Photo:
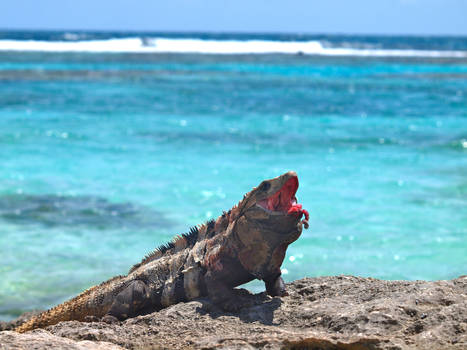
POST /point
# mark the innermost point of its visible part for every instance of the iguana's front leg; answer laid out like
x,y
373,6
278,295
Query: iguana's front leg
x,y
275,285
220,293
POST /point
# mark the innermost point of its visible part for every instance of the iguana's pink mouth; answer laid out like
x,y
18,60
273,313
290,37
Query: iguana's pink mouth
x,y
284,201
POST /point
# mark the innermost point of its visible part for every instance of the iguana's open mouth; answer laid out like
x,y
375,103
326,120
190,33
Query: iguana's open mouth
x,y
285,202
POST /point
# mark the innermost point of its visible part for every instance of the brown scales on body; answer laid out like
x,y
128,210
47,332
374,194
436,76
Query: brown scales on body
x,y
247,242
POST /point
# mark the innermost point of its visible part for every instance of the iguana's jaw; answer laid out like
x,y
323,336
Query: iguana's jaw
x,y
284,201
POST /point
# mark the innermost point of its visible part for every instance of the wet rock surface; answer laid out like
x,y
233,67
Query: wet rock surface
x,y
342,312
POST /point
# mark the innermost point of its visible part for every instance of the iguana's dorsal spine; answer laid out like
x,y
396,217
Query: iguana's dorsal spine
x,y
179,242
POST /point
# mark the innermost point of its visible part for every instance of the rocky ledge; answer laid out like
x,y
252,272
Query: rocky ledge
x,y
341,312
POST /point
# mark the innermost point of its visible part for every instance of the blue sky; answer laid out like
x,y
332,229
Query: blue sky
x,y
303,16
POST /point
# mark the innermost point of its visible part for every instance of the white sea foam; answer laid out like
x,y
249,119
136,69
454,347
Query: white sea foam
x,y
164,45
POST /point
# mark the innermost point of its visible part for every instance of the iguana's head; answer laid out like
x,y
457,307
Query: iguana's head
x,y
267,221
276,197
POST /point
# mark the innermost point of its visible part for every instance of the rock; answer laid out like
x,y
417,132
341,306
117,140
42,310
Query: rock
x,y
342,312
41,339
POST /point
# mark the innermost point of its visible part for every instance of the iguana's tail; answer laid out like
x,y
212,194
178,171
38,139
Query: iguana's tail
x,y
92,302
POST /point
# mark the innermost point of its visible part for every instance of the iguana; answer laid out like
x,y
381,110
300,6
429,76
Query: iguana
x,y
245,243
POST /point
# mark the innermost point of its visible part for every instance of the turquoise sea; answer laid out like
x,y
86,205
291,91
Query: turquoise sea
x,y
111,143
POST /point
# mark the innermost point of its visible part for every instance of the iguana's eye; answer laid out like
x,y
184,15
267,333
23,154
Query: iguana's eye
x,y
265,186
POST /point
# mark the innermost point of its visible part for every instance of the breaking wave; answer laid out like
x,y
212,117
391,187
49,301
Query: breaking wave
x,y
186,45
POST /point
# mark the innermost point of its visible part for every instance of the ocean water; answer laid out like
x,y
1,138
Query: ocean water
x,y
111,143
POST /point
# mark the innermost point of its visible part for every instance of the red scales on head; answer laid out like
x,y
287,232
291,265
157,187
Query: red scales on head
x,y
285,201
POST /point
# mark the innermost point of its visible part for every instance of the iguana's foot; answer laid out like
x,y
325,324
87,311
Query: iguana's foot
x,y
275,286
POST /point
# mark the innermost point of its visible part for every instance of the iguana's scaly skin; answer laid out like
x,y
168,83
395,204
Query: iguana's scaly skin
x,y
245,243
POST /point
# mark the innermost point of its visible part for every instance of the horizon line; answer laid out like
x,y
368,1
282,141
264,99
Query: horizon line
x,y
227,32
